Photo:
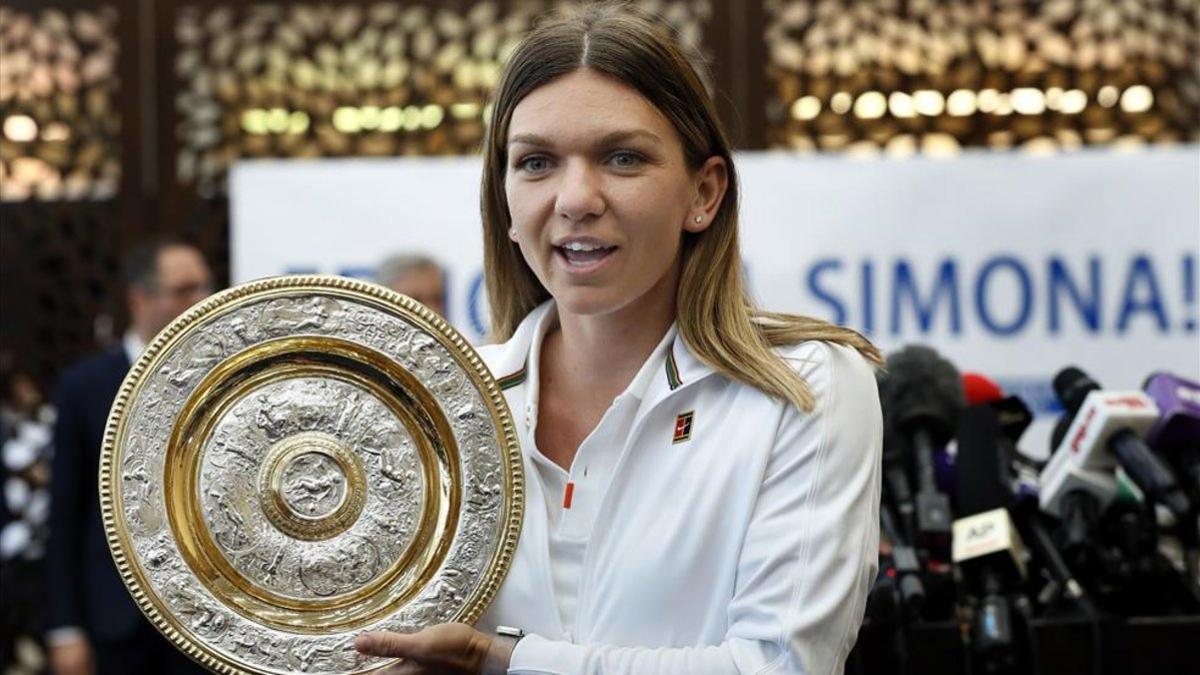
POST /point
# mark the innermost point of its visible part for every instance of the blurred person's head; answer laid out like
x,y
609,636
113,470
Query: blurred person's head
x,y
417,276
163,277
602,129
19,391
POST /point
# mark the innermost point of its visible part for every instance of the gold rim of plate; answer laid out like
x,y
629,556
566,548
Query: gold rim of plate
x,y
438,515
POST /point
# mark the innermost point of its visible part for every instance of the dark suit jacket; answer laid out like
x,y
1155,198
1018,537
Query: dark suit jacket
x,y
84,587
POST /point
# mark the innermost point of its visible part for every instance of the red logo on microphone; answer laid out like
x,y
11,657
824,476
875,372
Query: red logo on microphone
x,y
1135,402
1082,430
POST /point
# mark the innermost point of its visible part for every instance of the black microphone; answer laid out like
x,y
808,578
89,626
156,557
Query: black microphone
x,y
1139,579
1015,416
987,547
1071,386
905,563
995,464
922,394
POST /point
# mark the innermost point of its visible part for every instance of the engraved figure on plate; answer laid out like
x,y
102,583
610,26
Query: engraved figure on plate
x,y
294,315
313,484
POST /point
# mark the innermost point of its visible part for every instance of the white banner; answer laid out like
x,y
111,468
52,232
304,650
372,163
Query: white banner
x,y
1011,266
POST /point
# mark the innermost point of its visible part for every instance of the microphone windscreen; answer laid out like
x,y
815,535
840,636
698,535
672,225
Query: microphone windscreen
x,y
980,389
921,389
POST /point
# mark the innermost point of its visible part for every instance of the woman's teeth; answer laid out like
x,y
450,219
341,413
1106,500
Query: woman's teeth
x,y
582,254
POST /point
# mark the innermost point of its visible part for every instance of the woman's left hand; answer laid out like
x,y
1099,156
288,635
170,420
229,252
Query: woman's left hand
x,y
445,649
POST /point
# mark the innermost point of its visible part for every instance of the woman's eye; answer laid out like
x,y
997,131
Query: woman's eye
x,y
534,164
625,159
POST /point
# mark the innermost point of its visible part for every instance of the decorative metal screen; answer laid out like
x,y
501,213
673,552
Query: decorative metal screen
x,y
346,79
866,75
59,119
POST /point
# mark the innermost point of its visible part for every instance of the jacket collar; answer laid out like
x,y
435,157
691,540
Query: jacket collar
x,y
512,367
683,366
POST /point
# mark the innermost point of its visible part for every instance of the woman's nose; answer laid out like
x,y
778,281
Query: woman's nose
x,y
579,194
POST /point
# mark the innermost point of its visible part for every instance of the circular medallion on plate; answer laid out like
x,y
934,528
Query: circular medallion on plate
x,y
300,459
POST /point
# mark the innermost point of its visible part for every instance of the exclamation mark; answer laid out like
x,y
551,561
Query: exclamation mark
x,y
1189,293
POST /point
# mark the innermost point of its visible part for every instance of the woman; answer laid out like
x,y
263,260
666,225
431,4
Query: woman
x,y
703,476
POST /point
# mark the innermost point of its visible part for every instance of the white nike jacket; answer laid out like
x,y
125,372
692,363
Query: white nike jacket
x,y
742,538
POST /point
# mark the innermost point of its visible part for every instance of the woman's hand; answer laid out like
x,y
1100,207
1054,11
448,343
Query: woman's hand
x,y
445,649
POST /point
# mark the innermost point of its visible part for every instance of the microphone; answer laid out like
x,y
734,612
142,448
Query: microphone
x,y
986,546
1116,421
1069,487
1176,438
906,565
987,467
922,395
1071,386
1139,580
883,600
1015,416
1176,434
994,463
980,389
989,551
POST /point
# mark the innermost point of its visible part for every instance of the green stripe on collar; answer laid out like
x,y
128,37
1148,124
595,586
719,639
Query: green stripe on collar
x,y
510,381
673,378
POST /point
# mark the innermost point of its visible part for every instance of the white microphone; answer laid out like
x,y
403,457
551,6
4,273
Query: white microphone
x,y
1083,460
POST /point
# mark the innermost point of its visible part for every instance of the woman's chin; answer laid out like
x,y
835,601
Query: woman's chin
x,y
586,301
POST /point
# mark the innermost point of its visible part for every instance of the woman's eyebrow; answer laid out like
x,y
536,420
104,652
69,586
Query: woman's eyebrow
x,y
529,139
608,139
626,135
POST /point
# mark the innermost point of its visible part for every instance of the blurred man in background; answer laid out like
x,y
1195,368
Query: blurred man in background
x,y
94,625
417,276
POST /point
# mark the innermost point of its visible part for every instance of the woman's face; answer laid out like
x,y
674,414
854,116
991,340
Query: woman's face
x,y
600,195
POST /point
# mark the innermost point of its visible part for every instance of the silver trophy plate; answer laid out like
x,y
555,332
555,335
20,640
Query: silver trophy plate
x,y
301,459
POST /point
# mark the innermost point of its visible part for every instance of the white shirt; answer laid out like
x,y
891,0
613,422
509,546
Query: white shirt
x,y
571,498
740,539
133,345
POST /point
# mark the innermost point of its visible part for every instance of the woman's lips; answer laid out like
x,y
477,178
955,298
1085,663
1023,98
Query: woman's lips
x,y
583,262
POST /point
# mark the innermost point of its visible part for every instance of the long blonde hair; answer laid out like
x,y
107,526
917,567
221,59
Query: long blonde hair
x,y
714,313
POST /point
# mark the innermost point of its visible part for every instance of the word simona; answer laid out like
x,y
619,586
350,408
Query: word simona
x,y
1006,295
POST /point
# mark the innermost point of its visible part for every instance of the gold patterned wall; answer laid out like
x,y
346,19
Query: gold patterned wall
x,y
59,125
347,79
865,76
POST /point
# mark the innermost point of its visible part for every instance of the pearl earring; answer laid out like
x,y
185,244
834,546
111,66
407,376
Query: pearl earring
x,y
698,219
512,233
